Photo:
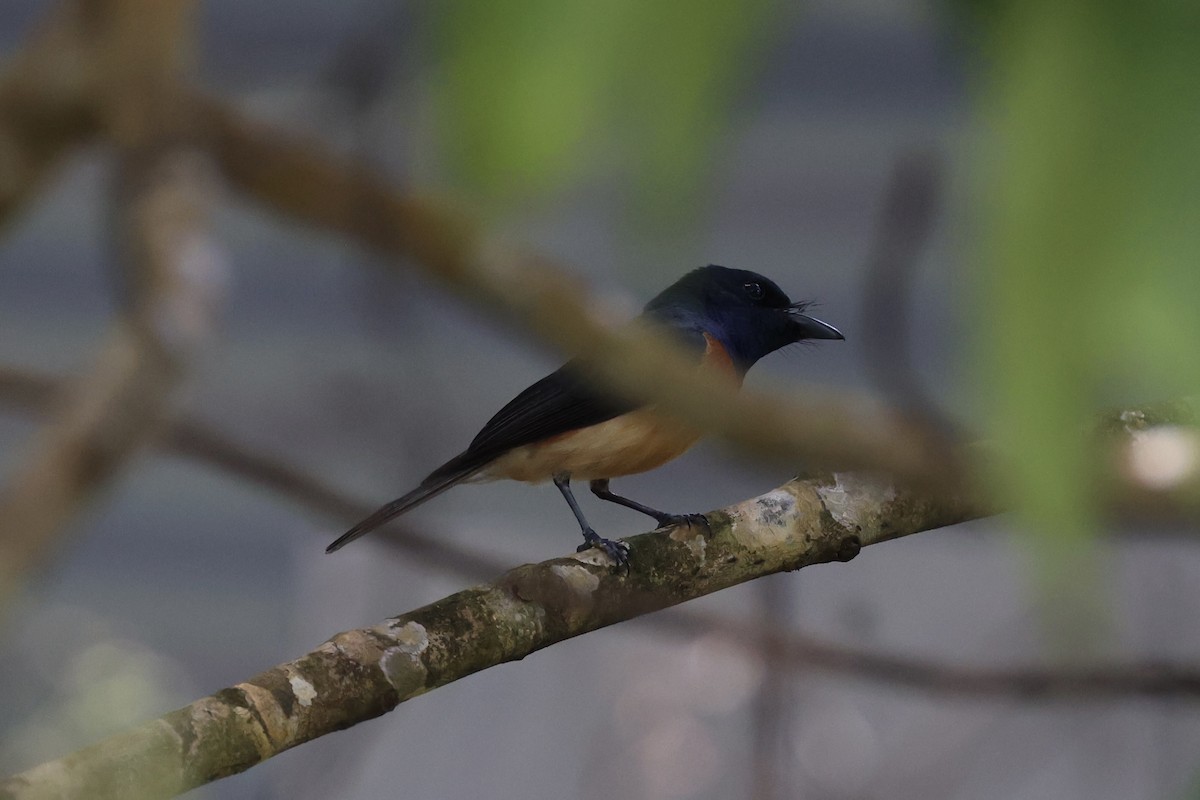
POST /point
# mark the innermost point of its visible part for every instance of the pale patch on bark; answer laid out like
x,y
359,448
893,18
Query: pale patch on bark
x,y
270,724
411,638
763,521
694,540
856,500
305,692
581,583
579,580
594,556
402,663
528,620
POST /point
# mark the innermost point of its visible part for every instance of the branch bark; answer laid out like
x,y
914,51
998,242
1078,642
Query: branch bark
x,y
361,674
172,271
309,183
43,106
793,649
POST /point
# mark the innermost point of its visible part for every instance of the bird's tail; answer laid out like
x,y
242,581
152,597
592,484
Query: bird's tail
x,y
446,477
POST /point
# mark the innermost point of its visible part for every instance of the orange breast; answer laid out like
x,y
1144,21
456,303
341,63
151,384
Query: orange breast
x,y
624,445
635,442
717,359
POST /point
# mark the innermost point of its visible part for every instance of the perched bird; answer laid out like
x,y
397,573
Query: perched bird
x,y
561,429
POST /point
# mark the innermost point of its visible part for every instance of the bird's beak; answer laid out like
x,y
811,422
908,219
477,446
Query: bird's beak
x,y
812,328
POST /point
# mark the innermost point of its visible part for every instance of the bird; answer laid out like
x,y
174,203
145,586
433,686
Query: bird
x,y
562,429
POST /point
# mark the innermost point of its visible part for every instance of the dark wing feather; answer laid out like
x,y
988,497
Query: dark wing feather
x,y
560,402
430,488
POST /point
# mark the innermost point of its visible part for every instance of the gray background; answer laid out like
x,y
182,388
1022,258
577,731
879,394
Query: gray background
x,y
182,581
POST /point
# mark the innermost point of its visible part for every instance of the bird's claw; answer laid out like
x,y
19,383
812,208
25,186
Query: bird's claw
x,y
674,520
617,550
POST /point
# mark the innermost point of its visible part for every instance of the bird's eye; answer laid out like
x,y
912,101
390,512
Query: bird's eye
x,y
754,291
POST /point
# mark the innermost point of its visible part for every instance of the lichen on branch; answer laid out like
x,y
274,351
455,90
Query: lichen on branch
x,y
363,673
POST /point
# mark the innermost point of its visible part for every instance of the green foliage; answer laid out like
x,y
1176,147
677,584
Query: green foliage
x,y
1092,231
1090,180
541,91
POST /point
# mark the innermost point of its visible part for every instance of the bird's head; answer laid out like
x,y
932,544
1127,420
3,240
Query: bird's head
x,y
748,313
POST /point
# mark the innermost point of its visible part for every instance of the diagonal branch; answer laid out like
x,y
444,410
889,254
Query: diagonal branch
x,y
313,185
190,438
361,674
173,276
43,105
365,673
204,444
797,650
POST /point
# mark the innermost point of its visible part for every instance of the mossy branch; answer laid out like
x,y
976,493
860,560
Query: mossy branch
x,y
361,674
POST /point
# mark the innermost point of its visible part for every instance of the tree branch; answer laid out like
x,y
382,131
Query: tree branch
x,y
43,108
174,277
206,445
311,184
188,438
1008,683
361,674
793,649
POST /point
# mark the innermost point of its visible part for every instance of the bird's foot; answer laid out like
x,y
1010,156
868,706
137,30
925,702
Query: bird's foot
x,y
674,520
617,550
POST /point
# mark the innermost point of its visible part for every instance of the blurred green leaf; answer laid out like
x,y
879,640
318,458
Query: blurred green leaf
x,y
535,93
1092,199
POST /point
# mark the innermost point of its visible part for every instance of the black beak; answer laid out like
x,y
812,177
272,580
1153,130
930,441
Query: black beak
x,y
812,328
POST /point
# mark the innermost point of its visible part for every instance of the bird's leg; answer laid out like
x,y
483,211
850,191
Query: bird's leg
x,y
664,520
617,551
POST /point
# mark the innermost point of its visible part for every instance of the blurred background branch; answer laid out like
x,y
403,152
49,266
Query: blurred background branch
x,y
904,224
42,108
1086,293
173,278
309,183
799,651
192,439
779,647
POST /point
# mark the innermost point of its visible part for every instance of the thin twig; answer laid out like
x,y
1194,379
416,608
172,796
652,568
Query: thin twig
x,y
769,711
1092,682
206,445
34,392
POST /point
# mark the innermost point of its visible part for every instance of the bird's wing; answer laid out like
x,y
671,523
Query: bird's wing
x,y
560,402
